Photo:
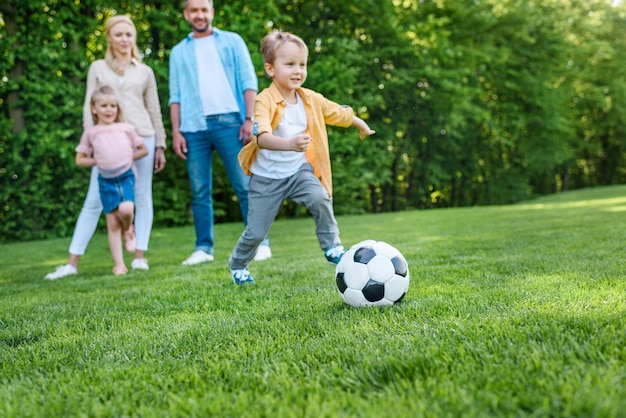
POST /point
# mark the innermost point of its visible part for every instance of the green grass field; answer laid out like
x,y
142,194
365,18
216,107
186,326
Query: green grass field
x,y
512,311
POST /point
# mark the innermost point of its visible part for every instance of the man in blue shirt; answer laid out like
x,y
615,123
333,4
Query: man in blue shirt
x,y
213,87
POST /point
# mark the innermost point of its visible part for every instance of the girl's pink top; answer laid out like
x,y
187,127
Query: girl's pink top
x,y
112,146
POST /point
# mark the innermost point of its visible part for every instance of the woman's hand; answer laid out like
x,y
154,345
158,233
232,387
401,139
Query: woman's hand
x,y
159,159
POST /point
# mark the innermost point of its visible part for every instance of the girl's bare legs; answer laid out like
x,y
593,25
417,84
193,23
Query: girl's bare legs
x,y
120,222
114,228
126,212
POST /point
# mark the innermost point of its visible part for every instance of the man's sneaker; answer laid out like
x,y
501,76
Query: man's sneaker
x,y
263,253
61,271
140,264
333,254
198,257
242,276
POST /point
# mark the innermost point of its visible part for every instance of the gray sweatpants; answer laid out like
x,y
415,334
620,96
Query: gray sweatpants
x,y
265,200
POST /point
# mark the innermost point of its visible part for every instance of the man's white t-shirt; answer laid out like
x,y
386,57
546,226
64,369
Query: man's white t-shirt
x,y
215,91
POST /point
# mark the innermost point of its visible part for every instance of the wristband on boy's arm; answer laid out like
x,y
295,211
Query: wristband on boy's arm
x,y
255,132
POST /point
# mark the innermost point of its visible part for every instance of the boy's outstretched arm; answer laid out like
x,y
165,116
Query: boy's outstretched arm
x,y
299,143
363,127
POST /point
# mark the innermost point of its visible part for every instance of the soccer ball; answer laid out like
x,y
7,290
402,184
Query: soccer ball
x,y
372,273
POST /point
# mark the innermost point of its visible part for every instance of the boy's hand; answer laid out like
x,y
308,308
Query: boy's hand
x,y
366,132
364,129
301,143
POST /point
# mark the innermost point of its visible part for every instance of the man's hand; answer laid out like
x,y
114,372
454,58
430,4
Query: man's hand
x,y
245,131
180,145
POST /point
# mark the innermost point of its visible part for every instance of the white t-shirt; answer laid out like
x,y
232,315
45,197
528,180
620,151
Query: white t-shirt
x,y
282,164
217,96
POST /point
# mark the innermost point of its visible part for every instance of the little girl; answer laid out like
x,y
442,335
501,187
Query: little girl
x,y
113,145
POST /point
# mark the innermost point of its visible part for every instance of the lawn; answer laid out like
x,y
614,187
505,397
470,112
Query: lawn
x,y
515,310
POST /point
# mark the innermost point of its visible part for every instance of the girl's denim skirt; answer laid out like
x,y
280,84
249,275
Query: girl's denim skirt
x,y
116,190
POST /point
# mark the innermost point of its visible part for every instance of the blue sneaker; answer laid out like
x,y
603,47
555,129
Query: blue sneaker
x,y
333,254
242,276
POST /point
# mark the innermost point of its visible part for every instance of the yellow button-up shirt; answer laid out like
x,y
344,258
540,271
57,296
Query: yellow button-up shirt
x,y
269,108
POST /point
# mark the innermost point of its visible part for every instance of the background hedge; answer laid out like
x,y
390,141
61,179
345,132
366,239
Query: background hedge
x,y
474,102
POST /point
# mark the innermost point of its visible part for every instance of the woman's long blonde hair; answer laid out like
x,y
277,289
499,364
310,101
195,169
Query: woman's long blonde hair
x,y
109,55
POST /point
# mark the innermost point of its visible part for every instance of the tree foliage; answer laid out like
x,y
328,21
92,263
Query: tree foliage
x,y
474,102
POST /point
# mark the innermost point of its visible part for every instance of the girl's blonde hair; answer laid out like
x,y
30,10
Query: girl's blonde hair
x,y
105,91
274,40
109,55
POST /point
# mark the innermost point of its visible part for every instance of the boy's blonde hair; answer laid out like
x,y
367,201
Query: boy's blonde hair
x,y
105,91
274,40
109,55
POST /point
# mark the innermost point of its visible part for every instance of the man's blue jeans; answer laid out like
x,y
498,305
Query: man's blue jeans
x,y
221,135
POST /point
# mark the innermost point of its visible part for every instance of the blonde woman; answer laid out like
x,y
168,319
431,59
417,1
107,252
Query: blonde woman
x,y
135,86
